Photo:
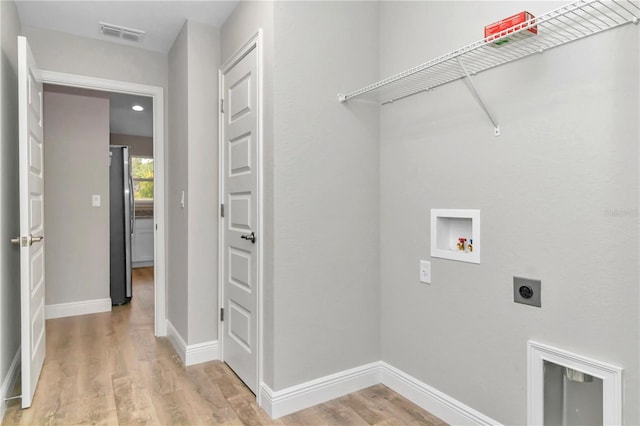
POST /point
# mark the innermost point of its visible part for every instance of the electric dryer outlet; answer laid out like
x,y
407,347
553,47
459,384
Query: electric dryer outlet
x,y
527,291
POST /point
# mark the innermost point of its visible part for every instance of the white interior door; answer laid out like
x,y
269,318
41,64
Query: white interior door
x,y
31,221
240,151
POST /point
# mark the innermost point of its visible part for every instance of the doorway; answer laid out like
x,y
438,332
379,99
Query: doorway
x,y
158,223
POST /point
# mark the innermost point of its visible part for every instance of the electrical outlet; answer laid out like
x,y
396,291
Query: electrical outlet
x,y
527,291
425,272
95,200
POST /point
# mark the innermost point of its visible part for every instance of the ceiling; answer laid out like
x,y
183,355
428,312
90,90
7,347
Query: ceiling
x,y
160,20
126,121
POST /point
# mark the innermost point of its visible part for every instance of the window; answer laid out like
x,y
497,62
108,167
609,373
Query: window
x,y
142,173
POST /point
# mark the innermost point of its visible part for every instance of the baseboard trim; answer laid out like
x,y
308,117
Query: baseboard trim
x,y
9,382
202,352
82,307
178,343
192,354
305,395
296,398
437,403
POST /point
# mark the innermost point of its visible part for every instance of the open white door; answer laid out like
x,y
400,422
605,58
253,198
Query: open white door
x,y
31,221
241,224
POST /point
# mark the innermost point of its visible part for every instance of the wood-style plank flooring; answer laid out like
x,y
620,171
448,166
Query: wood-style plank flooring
x,y
109,369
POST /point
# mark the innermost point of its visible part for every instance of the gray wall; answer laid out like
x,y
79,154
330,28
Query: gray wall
x,y
140,145
321,185
558,194
325,191
76,155
193,159
56,51
177,181
9,219
204,61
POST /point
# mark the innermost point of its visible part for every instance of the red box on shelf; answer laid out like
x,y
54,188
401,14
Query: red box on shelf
x,y
512,23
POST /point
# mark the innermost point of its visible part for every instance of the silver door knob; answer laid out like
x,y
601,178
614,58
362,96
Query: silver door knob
x,y
249,237
27,241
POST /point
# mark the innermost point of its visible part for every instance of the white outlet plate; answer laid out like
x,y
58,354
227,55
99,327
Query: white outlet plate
x,y
425,272
95,200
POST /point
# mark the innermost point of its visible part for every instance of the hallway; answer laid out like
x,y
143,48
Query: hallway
x,y
109,369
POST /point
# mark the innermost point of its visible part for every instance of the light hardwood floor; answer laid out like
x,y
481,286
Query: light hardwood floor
x,y
109,369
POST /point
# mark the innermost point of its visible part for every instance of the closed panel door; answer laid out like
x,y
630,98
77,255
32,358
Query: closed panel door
x,y
31,221
241,218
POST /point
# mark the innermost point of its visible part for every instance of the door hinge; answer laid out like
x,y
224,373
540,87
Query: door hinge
x,y
221,314
222,106
221,210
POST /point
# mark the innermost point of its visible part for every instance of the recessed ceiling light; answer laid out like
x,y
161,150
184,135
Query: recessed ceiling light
x,y
137,108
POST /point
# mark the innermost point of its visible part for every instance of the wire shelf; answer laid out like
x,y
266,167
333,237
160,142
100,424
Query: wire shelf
x,y
561,26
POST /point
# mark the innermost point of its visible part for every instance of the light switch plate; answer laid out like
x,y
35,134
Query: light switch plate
x,y
425,272
95,200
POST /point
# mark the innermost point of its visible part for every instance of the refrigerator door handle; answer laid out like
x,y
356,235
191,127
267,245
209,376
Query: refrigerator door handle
x,y
132,209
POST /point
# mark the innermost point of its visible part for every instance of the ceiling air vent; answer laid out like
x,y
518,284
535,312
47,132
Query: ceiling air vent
x,y
121,32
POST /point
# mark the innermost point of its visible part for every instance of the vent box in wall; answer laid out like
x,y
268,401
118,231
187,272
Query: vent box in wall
x,y
455,234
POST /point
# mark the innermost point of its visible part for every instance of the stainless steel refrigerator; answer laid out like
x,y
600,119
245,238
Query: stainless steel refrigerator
x,y
121,222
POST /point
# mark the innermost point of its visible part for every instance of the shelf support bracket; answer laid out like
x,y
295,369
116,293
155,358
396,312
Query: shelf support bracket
x,y
475,92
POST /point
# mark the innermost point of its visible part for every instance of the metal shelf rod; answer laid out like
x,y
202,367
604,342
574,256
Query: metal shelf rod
x,y
496,126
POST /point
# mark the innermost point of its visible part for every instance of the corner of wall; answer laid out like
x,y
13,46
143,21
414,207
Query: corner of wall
x,y
192,354
176,168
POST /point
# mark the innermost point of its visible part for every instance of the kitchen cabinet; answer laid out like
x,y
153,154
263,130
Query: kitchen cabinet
x,y
142,243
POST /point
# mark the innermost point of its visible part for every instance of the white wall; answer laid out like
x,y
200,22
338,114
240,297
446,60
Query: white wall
x,y
193,159
9,219
76,155
548,190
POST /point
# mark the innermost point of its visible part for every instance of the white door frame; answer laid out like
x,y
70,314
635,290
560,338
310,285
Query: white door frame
x,y
157,93
255,42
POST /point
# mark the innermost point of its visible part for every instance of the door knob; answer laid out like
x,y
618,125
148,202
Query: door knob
x,y
249,237
26,241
